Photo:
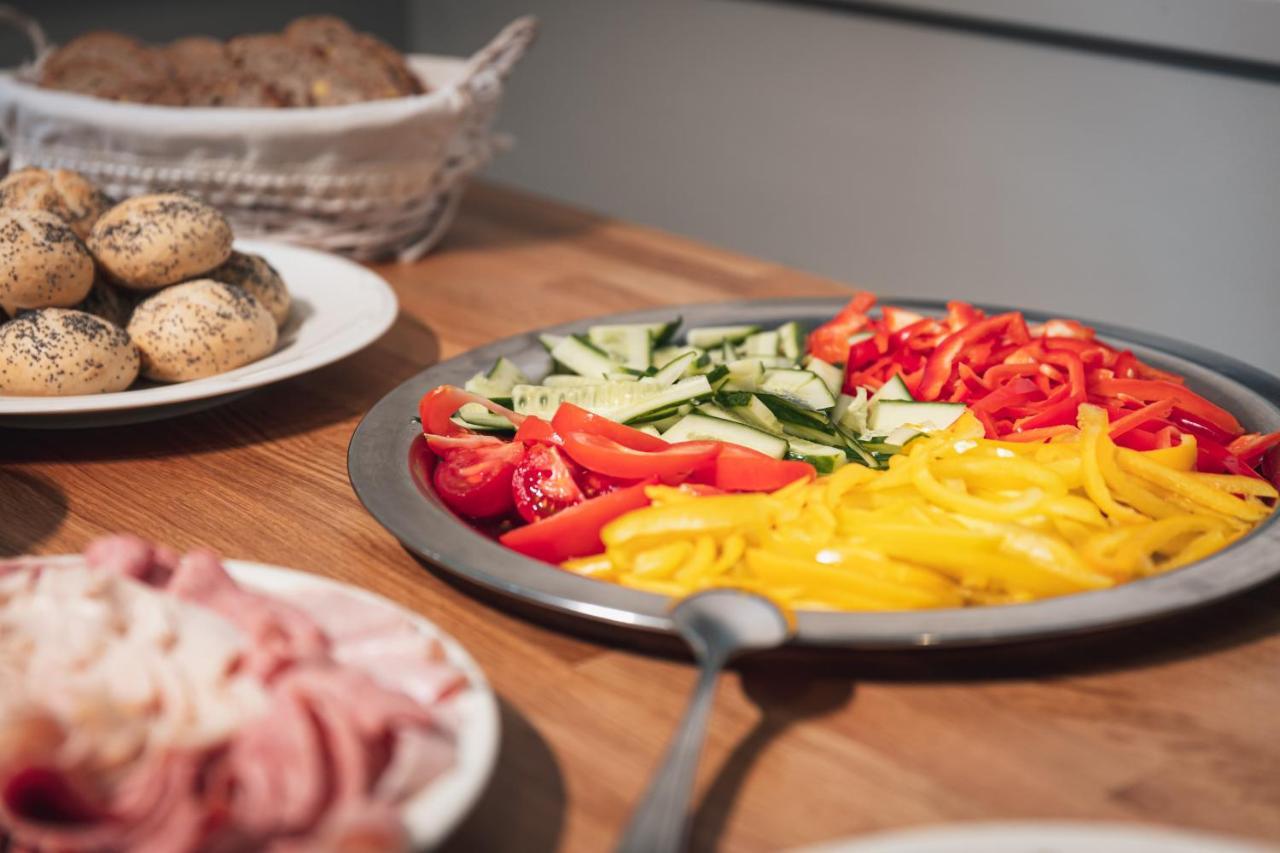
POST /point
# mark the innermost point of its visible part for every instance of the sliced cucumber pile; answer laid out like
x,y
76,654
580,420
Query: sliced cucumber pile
x,y
740,384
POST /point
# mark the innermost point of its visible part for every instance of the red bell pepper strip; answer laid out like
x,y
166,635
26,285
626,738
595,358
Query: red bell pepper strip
x,y
1250,448
741,469
570,418
896,319
1041,434
575,531
672,463
938,368
830,341
1150,390
1133,420
1211,456
864,352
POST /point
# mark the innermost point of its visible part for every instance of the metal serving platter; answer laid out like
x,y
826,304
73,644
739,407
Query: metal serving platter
x,y
378,462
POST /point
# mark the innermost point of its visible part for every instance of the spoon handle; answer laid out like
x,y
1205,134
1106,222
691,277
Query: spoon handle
x,y
658,824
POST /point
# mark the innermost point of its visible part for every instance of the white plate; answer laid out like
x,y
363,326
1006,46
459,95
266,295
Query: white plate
x,y
339,307
1036,837
435,811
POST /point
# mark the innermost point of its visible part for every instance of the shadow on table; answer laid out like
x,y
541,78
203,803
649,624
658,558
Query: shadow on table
x,y
524,805
38,502
785,695
329,395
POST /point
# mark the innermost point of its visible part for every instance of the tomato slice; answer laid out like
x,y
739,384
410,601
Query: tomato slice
x,y
543,483
575,532
438,406
571,418
605,456
741,469
476,481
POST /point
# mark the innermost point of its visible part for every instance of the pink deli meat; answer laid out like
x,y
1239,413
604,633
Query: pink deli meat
x,y
151,703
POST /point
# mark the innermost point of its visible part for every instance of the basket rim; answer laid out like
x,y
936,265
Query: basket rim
x,y
88,109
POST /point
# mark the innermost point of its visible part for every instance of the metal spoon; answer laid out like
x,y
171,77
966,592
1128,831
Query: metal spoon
x,y
719,625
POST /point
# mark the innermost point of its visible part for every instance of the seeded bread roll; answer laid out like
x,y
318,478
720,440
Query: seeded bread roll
x,y
109,302
56,352
200,328
65,194
43,264
204,72
111,65
152,241
254,274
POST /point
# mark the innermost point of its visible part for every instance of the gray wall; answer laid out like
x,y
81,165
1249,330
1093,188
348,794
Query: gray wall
x,y
911,159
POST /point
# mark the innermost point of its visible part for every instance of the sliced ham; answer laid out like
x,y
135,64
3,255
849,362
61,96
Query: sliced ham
x,y
152,704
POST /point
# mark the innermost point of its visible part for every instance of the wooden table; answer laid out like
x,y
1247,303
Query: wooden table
x,y
1173,724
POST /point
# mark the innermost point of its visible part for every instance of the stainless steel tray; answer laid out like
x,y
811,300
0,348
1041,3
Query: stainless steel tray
x,y
378,464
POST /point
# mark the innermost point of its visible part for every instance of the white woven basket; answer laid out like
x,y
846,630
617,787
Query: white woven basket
x,y
370,180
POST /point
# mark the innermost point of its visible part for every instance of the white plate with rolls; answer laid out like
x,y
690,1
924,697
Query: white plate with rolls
x,y
337,307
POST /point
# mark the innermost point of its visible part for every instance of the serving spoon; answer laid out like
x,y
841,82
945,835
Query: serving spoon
x,y
718,625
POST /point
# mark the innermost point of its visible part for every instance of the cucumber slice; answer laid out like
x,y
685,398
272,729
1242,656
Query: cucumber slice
x,y
894,389
600,397
851,412
696,427
498,380
831,376
665,355
583,358
650,429
762,343
717,377
676,368
801,386
889,415
664,332
713,336
549,341
791,340
685,391
816,434
789,411
476,416
711,410
758,414
824,458
900,436
746,374
629,345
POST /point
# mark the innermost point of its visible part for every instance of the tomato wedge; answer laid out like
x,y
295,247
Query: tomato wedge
x,y
543,483
604,455
476,481
571,418
574,532
741,469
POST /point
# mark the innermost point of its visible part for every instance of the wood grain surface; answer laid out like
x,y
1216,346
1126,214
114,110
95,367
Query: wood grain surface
x,y
1174,723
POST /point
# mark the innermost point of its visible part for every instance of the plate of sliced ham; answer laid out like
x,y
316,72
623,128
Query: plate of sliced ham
x,y
156,700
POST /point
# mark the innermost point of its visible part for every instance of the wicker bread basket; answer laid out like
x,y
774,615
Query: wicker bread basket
x,y
370,180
